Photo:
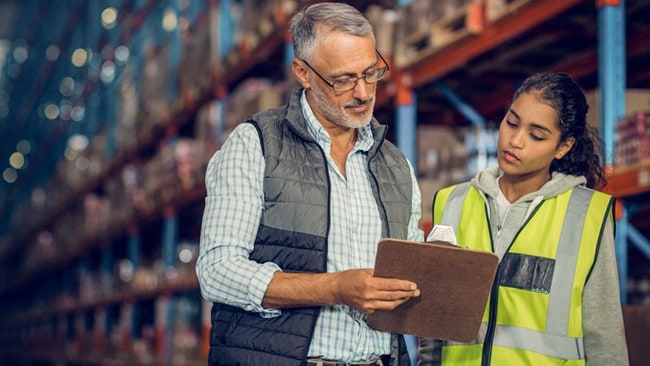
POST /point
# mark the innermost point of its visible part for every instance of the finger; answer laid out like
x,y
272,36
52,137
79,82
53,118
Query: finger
x,y
385,305
392,284
397,295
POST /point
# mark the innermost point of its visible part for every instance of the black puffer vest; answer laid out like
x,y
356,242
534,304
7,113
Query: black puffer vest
x,y
293,234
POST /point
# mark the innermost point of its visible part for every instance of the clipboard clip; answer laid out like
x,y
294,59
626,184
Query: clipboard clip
x,y
442,233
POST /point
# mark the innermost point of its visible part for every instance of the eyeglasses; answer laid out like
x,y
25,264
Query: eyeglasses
x,y
343,85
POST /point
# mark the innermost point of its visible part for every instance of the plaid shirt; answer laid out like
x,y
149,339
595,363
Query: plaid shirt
x,y
233,209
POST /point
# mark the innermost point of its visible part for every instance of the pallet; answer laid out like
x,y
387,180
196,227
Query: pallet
x,y
497,9
467,20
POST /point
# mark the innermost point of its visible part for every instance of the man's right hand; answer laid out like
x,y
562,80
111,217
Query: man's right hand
x,y
357,288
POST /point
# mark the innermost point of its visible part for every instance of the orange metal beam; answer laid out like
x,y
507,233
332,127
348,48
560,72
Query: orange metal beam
x,y
603,3
492,36
624,182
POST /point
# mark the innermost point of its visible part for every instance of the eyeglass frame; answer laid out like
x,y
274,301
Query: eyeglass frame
x,y
356,79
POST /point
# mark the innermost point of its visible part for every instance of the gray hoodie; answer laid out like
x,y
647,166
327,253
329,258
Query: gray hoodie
x,y
604,335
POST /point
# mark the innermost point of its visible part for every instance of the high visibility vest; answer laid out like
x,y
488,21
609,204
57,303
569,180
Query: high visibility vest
x,y
534,313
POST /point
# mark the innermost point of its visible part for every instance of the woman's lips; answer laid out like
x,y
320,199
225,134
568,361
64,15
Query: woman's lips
x,y
510,157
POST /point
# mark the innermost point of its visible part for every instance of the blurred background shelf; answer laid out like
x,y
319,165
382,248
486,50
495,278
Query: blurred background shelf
x,y
110,113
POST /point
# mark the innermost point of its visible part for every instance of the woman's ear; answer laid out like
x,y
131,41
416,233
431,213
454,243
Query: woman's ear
x,y
300,72
565,147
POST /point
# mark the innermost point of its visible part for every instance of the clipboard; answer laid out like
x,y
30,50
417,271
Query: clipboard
x,y
454,285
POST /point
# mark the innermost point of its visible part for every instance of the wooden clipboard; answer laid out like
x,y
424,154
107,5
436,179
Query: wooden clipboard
x,y
454,288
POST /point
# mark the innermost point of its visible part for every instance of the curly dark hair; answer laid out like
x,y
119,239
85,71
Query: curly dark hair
x,y
562,93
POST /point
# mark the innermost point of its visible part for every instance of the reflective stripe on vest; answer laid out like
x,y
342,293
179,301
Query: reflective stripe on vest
x,y
540,287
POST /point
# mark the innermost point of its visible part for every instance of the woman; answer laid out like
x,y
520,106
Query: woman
x,y
555,296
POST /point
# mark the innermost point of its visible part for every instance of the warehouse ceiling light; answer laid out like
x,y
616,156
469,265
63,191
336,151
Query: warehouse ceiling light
x,y
107,74
169,20
17,160
109,18
52,53
66,87
78,142
51,111
24,146
10,175
122,54
38,197
20,54
79,57
78,113
66,110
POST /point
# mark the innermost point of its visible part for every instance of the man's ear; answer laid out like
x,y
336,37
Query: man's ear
x,y
565,147
300,72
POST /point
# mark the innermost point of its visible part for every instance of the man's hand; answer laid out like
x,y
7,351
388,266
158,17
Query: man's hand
x,y
359,289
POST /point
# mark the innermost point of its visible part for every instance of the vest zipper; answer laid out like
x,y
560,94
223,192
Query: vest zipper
x,y
494,300
494,295
380,202
492,321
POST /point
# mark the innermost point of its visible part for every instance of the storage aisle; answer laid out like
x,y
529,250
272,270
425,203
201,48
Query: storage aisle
x,y
109,115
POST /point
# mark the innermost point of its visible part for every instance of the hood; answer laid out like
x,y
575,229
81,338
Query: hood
x,y
486,182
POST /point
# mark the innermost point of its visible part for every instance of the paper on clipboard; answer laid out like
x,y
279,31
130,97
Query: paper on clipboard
x,y
454,287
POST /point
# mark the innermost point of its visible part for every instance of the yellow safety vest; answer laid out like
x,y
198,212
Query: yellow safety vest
x,y
534,313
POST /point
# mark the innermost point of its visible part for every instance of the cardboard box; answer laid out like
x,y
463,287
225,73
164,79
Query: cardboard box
x,y
636,100
441,153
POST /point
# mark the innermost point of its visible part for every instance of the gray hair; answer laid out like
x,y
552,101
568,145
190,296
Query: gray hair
x,y
306,25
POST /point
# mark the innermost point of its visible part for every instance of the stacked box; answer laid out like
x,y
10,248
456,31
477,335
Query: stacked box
x,y
441,154
257,21
497,9
154,89
83,161
632,139
384,22
636,100
441,161
209,131
97,210
119,199
188,164
416,17
167,173
31,212
45,249
89,288
423,26
200,54
186,326
148,197
127,113
250,97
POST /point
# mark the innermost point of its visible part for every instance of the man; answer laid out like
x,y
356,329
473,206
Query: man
x,y
297,200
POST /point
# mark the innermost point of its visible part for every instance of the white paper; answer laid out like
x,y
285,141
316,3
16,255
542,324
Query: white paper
x,y
442,233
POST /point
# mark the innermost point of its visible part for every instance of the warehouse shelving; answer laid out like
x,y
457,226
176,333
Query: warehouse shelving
x,y
497,53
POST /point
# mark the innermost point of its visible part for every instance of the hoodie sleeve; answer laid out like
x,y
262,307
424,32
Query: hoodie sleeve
x,y
604,334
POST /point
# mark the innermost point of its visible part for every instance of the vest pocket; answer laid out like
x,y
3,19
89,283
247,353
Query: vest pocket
x,y
526,272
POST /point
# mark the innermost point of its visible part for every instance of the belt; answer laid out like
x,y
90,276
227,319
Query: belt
x,y
382,361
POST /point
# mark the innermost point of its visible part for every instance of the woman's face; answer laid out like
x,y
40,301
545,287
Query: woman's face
x,y
529,139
